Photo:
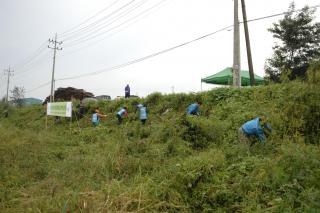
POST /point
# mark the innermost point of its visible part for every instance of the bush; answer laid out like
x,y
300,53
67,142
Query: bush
x,y
201,132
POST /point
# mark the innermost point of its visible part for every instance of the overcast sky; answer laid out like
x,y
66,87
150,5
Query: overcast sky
x,y
124,31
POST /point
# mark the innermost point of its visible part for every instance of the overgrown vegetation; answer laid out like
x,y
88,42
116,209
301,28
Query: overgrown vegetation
x,y
174,163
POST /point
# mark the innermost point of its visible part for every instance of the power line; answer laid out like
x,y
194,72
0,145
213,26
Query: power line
x,y
9,73
280,14
30,68
134,61
111,34
41,49
101,19
32,56
88,19
106,22
145,57
115,27
38,87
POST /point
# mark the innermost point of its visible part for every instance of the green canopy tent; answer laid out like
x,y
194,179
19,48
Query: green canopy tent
x,y
224,77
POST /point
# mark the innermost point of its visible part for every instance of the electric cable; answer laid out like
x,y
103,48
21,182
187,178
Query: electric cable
x,y
105,23
38,87
128,24
101,19
109,35
30,58
30,68
145,57
115,27
280,14
88,19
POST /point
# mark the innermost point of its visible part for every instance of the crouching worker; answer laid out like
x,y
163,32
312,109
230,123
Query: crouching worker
x,y
193,109
123,112
258,128
96,116
142,113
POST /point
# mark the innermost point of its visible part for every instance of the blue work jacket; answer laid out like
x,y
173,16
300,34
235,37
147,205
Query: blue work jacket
x,y
193,109
253,128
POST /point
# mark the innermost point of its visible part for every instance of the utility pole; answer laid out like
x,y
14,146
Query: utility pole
x,y
8,72
236,47
246,31
55,48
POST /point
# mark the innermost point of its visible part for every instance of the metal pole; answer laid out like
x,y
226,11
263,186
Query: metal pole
x,y
246,31
55,48
53,66
9,73
236,48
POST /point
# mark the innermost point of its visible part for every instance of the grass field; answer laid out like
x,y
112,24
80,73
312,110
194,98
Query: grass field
x,y
174,163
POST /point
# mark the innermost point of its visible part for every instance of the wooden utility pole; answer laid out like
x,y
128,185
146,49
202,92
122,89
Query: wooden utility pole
x,y
55,48
236,48
8,72
246,31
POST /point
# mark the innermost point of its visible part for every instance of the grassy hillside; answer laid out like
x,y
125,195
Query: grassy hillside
x,y
174,163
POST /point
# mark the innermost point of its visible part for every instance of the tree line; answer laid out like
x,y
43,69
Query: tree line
x,y
297,48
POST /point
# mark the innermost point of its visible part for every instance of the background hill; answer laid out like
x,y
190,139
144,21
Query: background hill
x,y
175,163
31,101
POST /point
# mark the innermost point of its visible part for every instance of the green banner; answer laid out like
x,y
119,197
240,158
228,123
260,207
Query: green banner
x,y
61,109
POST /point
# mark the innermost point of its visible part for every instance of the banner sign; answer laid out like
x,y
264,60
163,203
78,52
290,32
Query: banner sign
x,y
61,109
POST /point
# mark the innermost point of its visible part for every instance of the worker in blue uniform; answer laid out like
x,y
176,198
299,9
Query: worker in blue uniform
x,y
143,114
96,116
193,109
123,112
257,128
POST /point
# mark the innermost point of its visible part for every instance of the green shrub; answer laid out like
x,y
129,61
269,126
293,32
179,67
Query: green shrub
x,y
201,132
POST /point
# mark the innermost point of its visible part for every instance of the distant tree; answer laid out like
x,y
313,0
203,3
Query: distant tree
x,y
17,95
299,44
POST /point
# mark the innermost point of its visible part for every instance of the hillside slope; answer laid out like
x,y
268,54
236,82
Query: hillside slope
x,y
174,163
